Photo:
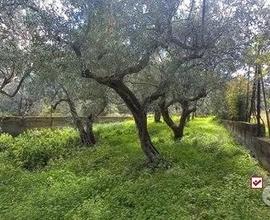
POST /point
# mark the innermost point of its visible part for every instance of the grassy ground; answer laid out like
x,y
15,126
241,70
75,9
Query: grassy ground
x,y
209,177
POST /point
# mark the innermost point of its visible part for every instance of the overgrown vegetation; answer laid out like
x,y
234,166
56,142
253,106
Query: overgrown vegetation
x,y
86,58
34,149
6,142
102,57
208,179
236,98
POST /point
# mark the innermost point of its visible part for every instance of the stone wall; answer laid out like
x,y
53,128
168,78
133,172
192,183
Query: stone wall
x,y
16,125
247,134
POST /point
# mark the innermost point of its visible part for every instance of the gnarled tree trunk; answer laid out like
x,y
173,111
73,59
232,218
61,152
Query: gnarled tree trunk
x,y
140,118
85,131
178,130
89,128
145,140
184,117
157,115
115,82
85,128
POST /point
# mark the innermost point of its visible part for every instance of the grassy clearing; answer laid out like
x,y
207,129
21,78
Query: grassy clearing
x,y
209,178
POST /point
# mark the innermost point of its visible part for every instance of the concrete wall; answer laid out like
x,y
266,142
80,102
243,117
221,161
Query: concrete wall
x,y
16,125
246,134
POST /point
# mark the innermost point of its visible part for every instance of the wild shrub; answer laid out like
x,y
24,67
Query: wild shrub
x,y
33,149
236,96
6,142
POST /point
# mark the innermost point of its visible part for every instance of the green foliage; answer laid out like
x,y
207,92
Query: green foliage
x,y
209,178
6,142
34,149
236,97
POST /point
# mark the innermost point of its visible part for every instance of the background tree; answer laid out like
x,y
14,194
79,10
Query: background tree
x,y
15,49
115,41
236,96
85,100
186,88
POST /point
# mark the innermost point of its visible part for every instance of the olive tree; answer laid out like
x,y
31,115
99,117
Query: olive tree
x,y
15,49
86,100
112,40
116,40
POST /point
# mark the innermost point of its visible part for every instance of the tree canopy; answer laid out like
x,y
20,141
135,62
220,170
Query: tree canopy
x,y
152,54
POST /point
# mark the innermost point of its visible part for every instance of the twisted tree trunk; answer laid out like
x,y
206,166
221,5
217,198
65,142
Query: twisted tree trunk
x,y
140,118
178,130
157,115
145,140
85,130
137,109
89,128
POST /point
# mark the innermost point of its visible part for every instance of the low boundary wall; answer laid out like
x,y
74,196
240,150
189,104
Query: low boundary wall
x,y
17,125
247,134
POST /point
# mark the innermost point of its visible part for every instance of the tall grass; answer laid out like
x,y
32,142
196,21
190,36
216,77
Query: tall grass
x,y
208,179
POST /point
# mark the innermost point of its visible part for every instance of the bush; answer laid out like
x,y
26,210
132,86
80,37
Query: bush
x,y
33,149
6,142
236,96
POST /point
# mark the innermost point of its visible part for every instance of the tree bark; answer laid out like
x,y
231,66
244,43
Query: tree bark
x,y
171,124
188,118
145,140
89,129
247,99
140,118
265,106
258,115
157,115
253,95
193,115
178,130
85,131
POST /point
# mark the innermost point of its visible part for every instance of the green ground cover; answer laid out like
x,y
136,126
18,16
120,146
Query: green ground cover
x,y
48,175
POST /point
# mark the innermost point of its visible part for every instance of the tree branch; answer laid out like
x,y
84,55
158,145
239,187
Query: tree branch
x,y
141,64
58,103
202,94
27,73
160,92
190,110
